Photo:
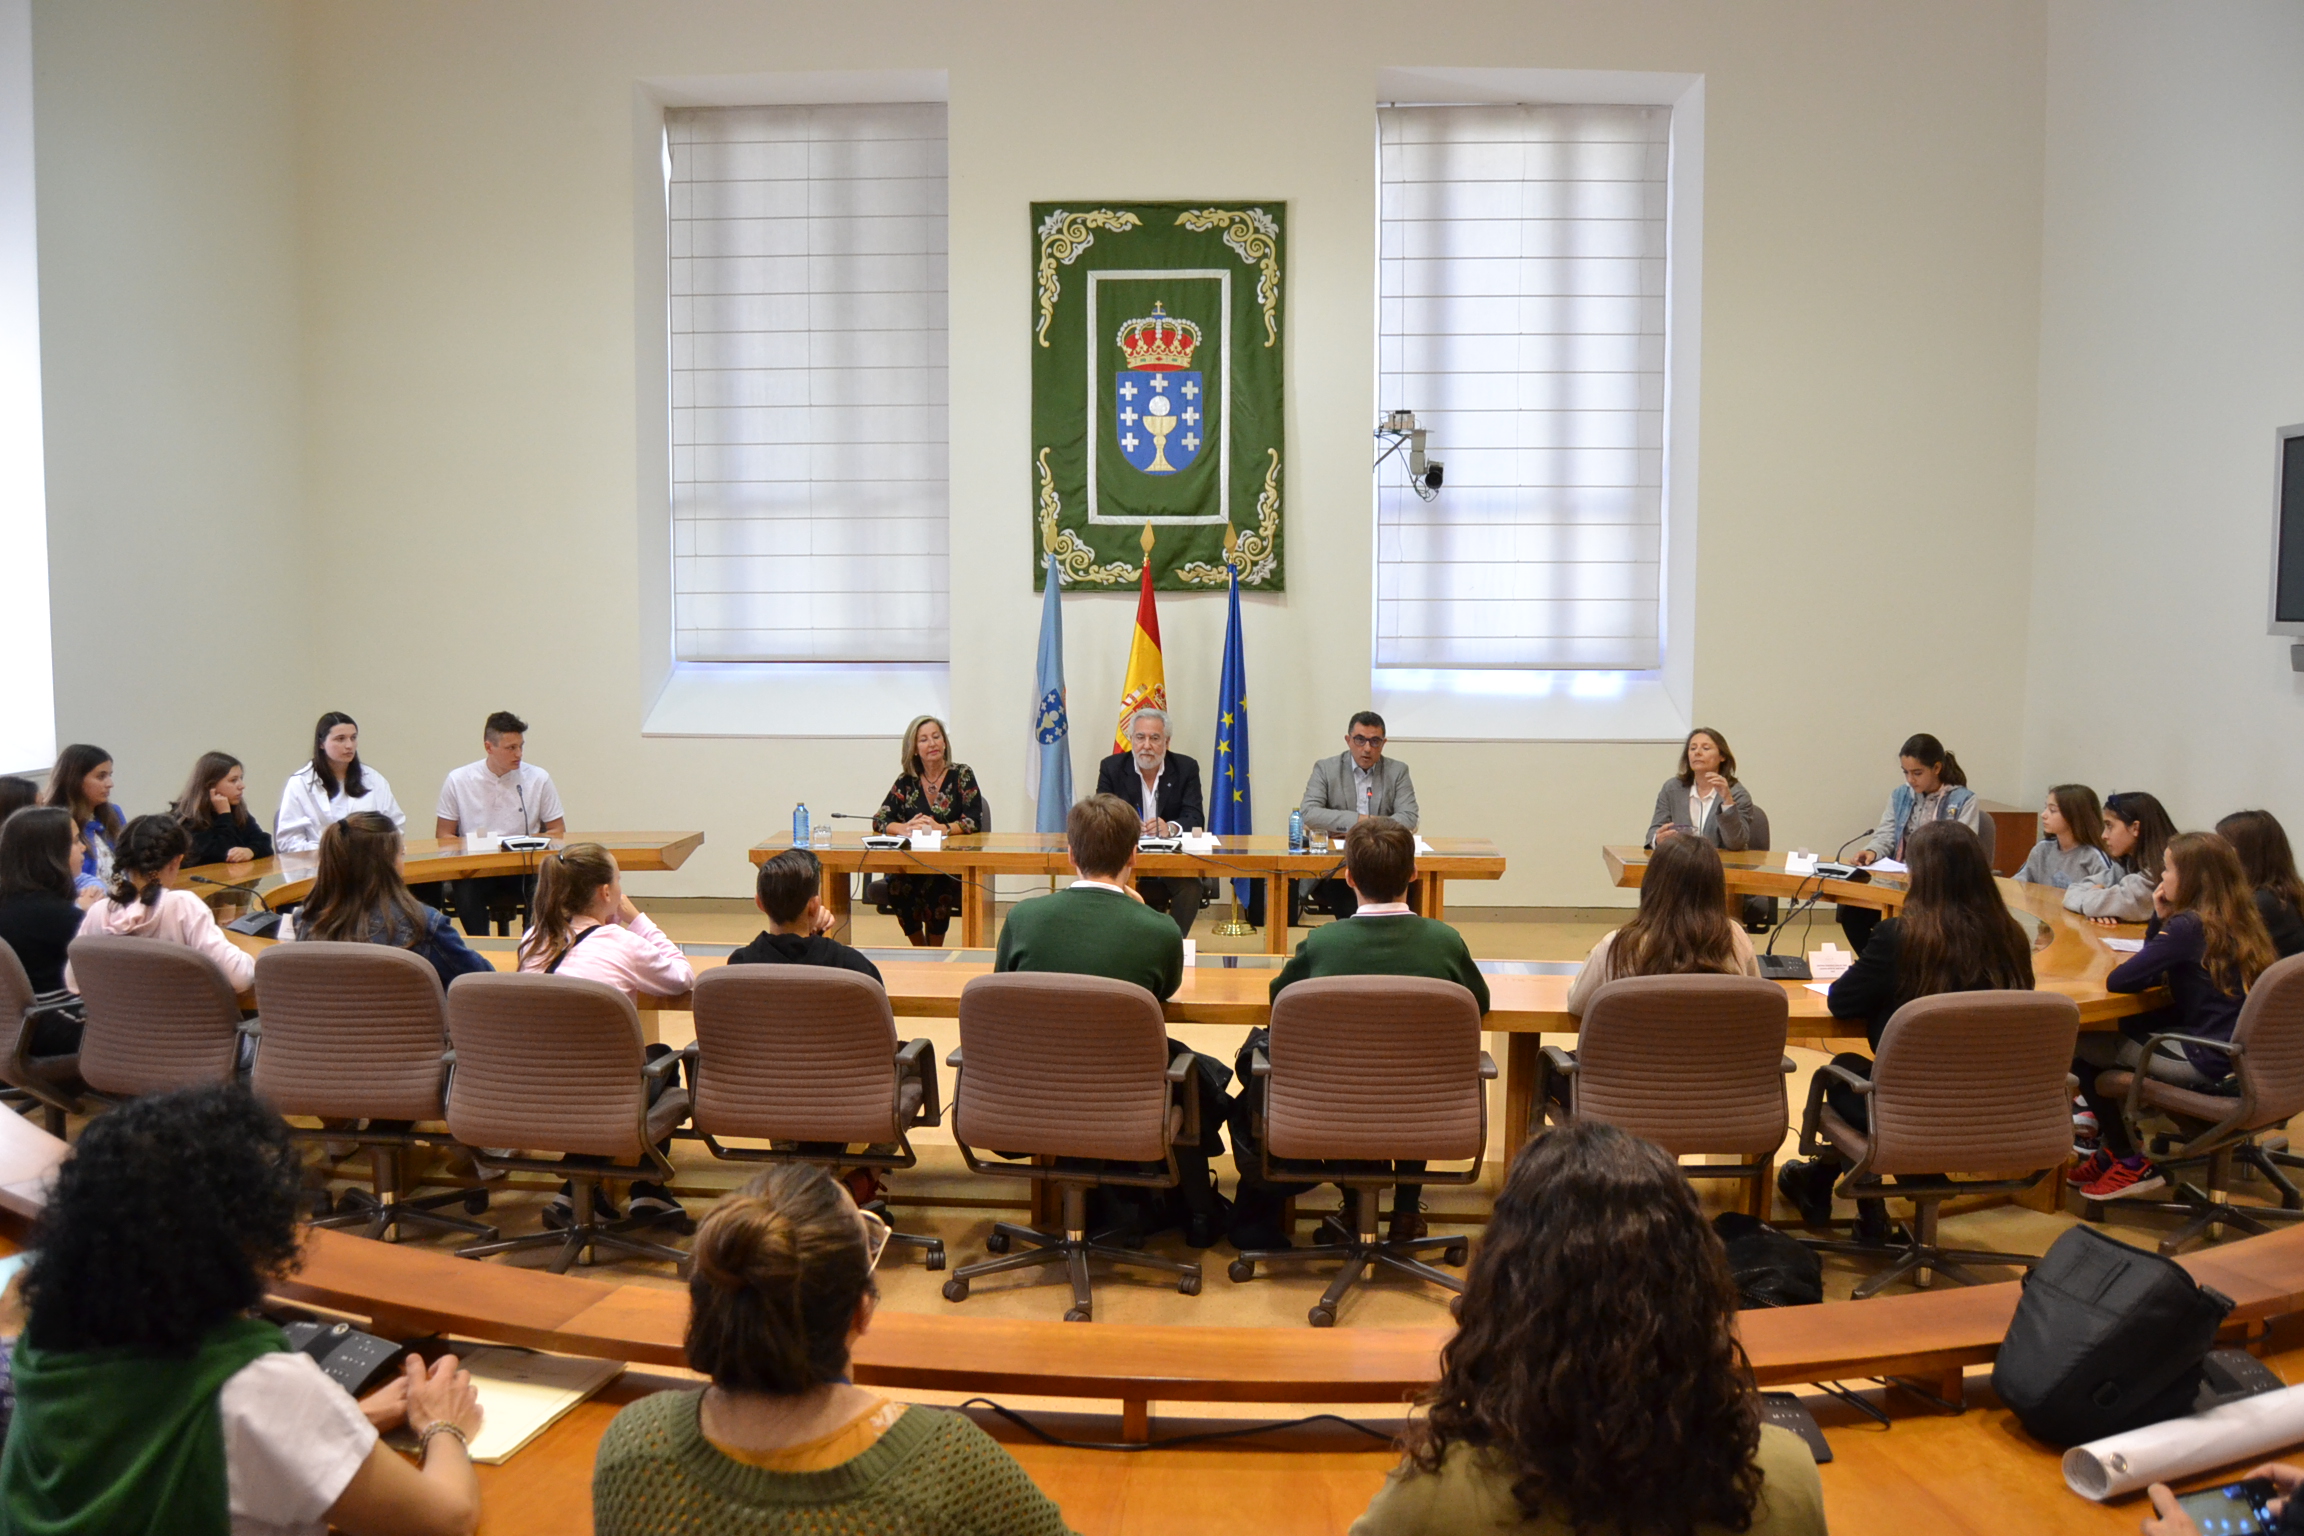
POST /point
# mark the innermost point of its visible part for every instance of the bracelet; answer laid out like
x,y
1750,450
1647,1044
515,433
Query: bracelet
x,y
443,1427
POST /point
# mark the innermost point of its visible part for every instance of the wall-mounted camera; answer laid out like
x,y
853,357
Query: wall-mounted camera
x,y
1399,431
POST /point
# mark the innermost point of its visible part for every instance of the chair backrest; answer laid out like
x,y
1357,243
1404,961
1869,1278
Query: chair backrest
x,y
160,1016
1692,1063
1989,831
15,994
1376,1067
1068,1066
353,1031
548,1063
1756,820
1974,1082
794,1053
2270,1034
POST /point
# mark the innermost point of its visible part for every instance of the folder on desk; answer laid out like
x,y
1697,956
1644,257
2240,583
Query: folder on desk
x,y
522,1393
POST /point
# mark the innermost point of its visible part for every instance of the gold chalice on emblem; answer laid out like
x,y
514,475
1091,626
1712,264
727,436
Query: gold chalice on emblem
x,y
1159,423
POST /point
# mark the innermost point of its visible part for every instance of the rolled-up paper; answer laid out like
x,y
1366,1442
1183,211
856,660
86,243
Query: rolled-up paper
x,y
2174,1448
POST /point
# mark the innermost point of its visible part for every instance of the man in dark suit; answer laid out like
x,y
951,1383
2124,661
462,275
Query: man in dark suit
x,y
1164,787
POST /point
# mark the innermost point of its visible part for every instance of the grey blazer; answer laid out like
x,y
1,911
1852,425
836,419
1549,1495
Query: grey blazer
x,y
1732,820
1332,797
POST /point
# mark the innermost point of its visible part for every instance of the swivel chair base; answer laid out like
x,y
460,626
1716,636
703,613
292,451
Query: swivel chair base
x,y
586,1236
1072,1248
2208,1211
931,1248
387,1211
1362,1253
1921,1257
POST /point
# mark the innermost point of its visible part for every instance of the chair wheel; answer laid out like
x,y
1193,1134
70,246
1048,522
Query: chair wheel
x,y
996,1243
476,1203
1188,1285
1078,1315
955,1290
323,1204
1322,1317
935,1259
1455,1254
1241,1270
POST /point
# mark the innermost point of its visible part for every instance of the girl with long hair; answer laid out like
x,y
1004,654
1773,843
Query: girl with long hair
x,y
81,782
214,811
40,914
1954,934
330,787
359,897
2136,834
2206,943
143,903
1935,789
1682,927
1595,1381
2073,848
584,925
2262,844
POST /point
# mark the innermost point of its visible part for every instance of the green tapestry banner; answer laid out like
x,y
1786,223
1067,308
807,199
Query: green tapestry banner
x,y
1156,393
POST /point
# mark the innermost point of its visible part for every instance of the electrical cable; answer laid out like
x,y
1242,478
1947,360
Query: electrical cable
x,y
1200,1438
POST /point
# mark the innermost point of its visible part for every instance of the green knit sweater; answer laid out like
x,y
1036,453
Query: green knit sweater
x,y
932,1474
1094,933
1393,944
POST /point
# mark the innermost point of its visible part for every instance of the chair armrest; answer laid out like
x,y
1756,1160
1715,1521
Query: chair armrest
x,y
1790,1066
2229,1048
1259,1063
447,1058
1179,1075
1179,1068
1487,1067
252,1028
919,1058
664,1065
54,1005
1853,1082
1811,1118
1560,1060
953,1060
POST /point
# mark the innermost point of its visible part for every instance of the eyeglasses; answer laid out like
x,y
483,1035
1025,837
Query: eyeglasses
x,y
875,1237
1366,741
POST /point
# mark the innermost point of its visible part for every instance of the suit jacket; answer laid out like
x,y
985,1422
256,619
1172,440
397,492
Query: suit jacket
x,y
1332,797
1177,796
1731,827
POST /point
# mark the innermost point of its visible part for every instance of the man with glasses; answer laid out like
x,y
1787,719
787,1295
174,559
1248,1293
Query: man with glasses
x,y
1359,781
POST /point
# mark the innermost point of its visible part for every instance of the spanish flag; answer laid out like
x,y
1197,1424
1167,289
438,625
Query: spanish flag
x,y
1147,684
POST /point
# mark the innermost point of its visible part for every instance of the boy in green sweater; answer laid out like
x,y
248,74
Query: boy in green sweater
x,y
1100,926
1381,938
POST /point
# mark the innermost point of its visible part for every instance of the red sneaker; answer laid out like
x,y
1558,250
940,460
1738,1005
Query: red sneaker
x,y
2129,1176
2086,1172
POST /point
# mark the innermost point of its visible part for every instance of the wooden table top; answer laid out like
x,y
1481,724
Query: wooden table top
x,y
1043,853
287,877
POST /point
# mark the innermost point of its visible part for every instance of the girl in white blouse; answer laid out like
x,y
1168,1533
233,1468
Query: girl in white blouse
x,y
331,787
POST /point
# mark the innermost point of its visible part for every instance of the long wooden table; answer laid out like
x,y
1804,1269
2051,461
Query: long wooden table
x,y
287,877
975,860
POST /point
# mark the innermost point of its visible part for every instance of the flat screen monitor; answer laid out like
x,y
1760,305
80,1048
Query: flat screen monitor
x,y
2288,534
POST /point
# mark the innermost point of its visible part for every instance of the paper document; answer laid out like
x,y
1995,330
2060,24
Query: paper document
x,y
2125,946
1890,866
1830,961
1422,847
522,1392
1823,988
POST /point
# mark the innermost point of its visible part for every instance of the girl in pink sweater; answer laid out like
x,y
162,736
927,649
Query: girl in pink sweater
x,y
140,903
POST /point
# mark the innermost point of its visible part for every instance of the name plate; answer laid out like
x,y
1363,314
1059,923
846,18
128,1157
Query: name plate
x,y
927,842
1799,863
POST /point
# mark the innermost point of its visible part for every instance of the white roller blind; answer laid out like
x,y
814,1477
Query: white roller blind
x,y
808,284
1522,320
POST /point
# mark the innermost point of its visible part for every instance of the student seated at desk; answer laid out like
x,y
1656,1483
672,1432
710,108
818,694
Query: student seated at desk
x,y
1683,927
142,905
1955,934
40,913
1935,788
789,893
358,897
2206,944
1594,1382
1381,938
2262,844
16,792
2073,850
331,787
500,794
81,782
1100,926
2136,834
584,925
780,1291
149,1400
214,810
932,793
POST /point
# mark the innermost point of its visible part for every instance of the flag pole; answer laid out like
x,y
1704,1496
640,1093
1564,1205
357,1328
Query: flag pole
x,y
1238,924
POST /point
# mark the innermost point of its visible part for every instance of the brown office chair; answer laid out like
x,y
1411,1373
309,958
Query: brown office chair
x,y
1693,1063
359,1032
49,1083
1962,1080
802,1054
555,1064
160,1017
1073,1073
2266,1052
1363,1073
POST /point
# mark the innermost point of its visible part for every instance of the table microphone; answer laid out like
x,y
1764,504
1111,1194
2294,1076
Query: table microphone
x,y
1775,967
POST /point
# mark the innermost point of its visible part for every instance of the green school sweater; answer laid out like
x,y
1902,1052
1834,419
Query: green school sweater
x,y
1400,944
1095,933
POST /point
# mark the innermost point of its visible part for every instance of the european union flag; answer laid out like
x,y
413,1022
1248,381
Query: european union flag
x,y
1230,813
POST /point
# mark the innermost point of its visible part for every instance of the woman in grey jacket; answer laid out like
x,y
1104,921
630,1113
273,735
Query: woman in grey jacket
x,y
1703,799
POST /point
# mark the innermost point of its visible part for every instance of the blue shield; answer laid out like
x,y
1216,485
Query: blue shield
x,y
1160,418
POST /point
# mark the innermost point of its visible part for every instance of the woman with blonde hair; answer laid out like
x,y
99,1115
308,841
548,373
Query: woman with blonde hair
x,y
584,925
931,793
780,1290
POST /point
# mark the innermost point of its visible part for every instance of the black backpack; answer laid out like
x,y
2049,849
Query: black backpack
x,y
1771,1269
2106,1338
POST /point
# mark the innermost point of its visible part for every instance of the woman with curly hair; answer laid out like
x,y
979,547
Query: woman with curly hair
x,y
1595,1382
149,1400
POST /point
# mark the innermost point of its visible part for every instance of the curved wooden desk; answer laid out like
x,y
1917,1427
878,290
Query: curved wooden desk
x,y
287,877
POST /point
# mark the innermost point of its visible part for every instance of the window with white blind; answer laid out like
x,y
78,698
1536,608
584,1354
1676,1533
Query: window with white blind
x,y
1522,318
808,414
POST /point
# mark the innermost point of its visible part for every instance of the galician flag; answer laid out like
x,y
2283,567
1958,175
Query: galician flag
x,y
1147,684
1048,756
1230,809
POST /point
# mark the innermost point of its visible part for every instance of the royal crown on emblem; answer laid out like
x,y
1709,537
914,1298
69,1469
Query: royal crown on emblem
x,y
1159,342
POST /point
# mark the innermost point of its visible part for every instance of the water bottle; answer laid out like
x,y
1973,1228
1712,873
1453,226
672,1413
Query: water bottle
x,y
1296,830
800,825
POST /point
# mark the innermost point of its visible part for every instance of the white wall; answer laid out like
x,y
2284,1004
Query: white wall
x,y
27,683
169,328
2172,345
466,246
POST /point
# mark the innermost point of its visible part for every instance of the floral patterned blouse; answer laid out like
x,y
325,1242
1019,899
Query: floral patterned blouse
x,y
956,802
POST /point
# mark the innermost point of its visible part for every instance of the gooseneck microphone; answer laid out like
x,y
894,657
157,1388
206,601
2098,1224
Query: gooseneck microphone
x,y
1775,967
